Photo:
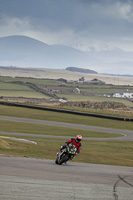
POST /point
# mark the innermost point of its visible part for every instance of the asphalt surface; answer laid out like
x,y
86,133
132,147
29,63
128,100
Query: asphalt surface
x,y
28,178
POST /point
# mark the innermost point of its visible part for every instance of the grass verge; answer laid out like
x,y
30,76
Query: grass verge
x,y
63,117
21,127
98,152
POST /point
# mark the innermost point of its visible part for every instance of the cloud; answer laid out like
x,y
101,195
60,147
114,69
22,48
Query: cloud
x,y
82,24
125,10
14,26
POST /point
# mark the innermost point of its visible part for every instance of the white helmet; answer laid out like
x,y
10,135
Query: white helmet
x,y
78,138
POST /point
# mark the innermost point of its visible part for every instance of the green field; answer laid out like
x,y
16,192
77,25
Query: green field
x,y
24,94
12,90
18,90
109,153
96,99
101,152
63,117
21,127
31,80
8,87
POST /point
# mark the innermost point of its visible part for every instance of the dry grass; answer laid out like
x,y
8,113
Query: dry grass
x,y
56,73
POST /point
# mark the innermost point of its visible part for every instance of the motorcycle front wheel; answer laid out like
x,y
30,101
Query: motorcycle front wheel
x,y
63,159
56,161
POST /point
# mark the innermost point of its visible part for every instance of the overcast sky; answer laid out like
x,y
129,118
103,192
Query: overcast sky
x,y
83,24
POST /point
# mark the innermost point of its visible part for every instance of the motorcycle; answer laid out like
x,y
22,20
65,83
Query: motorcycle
x,y
66,154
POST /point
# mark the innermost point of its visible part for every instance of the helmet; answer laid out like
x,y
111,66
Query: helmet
x,y
78,138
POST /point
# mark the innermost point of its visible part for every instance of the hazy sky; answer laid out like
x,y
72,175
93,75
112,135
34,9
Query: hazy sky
x,y
83,24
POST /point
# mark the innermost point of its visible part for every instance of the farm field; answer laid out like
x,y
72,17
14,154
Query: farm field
x,y
12,86
46,92
9,89
96,98
56,73
26,93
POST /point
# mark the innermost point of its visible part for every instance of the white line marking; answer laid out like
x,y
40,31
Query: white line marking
x,y
19,139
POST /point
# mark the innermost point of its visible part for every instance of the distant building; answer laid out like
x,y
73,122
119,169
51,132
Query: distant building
x,y
76,90
96,82
82,79
62,100
124,94
62,80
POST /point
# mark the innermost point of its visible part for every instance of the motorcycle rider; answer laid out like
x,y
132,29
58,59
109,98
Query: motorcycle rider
x,y
74,141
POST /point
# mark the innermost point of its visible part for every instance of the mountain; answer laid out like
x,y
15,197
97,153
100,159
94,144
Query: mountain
x,y
23,51
26,52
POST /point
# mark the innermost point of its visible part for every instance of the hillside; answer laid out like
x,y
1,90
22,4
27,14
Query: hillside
x,y
26,52
22,51
76,69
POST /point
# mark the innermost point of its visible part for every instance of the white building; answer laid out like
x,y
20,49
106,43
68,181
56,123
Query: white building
x,y
126,94
76,90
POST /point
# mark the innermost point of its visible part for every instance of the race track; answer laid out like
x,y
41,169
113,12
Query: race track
x,y
128,135
27,178
37,179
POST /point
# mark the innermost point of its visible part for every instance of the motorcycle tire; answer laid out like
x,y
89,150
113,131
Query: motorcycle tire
x,y
56,161
64,159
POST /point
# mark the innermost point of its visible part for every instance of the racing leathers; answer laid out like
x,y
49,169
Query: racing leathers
x,y
73,141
